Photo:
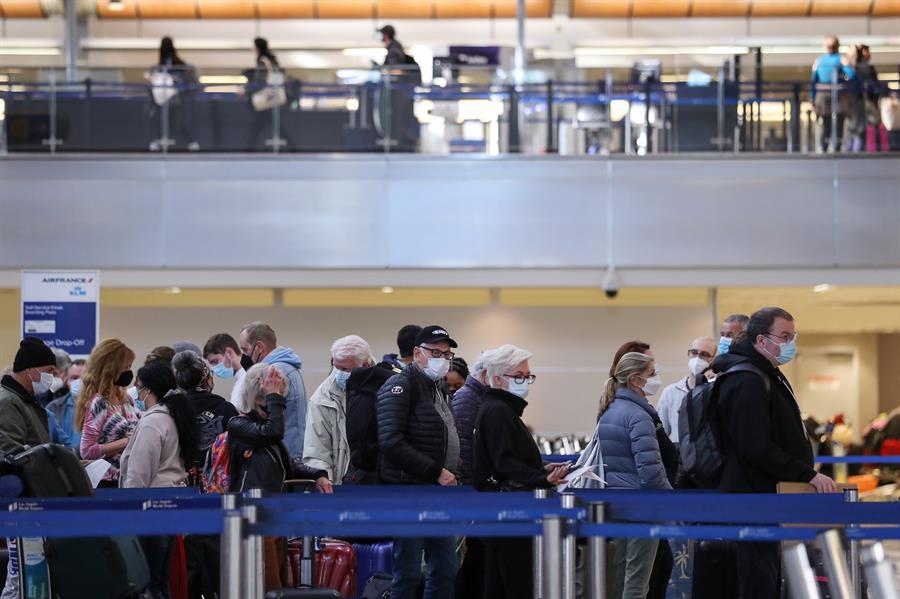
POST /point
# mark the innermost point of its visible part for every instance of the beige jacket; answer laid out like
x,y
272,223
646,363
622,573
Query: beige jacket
x,y
151,458
325,445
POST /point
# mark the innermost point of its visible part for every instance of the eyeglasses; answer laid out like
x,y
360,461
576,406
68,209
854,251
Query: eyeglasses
x,y
784,338
521,378
436,353
693,353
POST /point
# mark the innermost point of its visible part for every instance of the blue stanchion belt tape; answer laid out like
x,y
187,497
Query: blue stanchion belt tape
x,y
71,523
849,459
727,533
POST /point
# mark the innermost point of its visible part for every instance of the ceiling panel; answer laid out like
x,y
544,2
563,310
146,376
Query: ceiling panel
x,y
463,9
285,9
717,8
601,9
661,8
780,8
167,9
226,9
404,9
345,9
825,8
886,8
22,9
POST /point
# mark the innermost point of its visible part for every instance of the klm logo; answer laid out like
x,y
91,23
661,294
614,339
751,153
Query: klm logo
x,y
77,292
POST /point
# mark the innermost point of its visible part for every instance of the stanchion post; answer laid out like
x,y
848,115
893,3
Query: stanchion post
x,y
834,109
569,549
308,562
231,549
254,565
851,495
537,556
553,578
800,576
597,555
835,565
879,573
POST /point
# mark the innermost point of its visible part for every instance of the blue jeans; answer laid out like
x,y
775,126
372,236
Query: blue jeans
x,y
440,565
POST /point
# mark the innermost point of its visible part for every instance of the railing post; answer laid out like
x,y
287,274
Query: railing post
x,y
538,554
795,119
553,578
720,110
879,573
851,495
551,146
799,574
835,566
514,134
254,562
569,549
834,109
597,555
232,545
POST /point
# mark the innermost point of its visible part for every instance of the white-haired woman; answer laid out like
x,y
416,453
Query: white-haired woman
x,y
506,458
325,445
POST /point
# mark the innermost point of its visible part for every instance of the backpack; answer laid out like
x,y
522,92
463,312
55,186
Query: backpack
x,y
216,467
413,75
701,453
162,86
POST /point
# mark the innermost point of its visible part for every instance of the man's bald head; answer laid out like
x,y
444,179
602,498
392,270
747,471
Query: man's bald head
x,y
704,345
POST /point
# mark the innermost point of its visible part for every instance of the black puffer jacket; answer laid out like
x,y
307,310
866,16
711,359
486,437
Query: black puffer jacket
x,y
362,425
259,459
761,435
466,404
411,434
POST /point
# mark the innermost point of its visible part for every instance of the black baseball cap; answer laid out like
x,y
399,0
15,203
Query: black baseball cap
x,y
435,334
387,30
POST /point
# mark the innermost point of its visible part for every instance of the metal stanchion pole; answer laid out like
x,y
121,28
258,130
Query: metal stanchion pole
x,y
569,549
835,565
852,496
308,562
879,573
231,549
254,564
553,578
800,576
597,556
537,556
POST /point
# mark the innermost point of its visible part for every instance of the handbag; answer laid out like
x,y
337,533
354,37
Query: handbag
x,y
273,94
162,87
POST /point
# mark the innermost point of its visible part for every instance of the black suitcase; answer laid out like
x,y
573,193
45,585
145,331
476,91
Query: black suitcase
x,y
303,594
97,567
51,470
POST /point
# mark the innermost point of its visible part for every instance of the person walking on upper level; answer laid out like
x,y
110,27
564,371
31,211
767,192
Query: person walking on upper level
x,y
828,69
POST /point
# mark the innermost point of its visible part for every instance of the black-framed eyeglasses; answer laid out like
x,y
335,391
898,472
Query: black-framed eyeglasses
x,y
783,338
436,353
703,355
521,378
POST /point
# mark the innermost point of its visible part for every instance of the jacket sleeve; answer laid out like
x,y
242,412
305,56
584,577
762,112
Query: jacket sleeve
x,y
143,460
749,430
262,434
465,426
317,442
645,449
496,430
90,433
13,431
392,411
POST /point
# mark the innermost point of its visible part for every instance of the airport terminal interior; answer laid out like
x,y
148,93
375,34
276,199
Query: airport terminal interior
x,y
535,181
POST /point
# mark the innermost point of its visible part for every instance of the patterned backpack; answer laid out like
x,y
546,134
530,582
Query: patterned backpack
x,y
214,476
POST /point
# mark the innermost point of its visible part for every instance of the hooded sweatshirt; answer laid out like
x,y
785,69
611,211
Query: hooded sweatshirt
x,y
288,363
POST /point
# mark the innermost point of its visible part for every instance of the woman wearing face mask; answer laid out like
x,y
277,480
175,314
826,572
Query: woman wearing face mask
x,y
162,448
506,458
105,413
627,432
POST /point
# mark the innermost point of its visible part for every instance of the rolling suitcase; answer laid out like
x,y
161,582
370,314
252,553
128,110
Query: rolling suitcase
x,y
97,567
371,559
335,565
51,470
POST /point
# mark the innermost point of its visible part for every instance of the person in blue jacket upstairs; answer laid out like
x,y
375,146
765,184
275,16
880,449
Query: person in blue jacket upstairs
x,y
825,69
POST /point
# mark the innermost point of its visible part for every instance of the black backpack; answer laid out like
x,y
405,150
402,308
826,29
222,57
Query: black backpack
x,y
701,453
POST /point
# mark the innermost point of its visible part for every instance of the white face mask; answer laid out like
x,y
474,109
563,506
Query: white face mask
x,y
437,368
652,386
520,389
43,385
56,385
697,365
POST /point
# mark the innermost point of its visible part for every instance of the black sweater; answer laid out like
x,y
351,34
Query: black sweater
x,y
762,435
505,455
362,425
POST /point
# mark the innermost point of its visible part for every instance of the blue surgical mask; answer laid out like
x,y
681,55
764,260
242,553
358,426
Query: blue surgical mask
x,y
724,344
138,402
340,378
75,387
787,351
520,389
222,371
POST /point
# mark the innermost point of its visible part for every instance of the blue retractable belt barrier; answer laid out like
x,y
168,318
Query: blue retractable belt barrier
x,y
848,459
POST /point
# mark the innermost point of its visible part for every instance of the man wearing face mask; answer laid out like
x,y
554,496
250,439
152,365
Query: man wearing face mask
x,y
700,356
325,445
224,356
762,435
419,446
58,386
63,408
732,326
22,420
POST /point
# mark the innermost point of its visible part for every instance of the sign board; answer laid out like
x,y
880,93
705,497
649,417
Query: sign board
x,y
62,308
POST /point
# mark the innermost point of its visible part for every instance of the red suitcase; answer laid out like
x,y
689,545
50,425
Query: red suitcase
x,y
335,565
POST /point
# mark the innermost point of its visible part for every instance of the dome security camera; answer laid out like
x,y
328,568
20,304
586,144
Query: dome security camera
x,y
611,284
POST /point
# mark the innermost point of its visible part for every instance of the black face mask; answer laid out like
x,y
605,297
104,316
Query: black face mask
x,y
246,362
124,379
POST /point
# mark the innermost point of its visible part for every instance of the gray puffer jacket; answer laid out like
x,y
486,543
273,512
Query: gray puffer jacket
x,y
628,443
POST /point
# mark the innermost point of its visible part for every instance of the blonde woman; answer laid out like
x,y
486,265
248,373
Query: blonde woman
x,y
628,442
105,413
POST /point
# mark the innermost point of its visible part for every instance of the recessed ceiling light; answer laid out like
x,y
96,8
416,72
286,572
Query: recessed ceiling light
x,y
387,289
115,5
173,290
823,288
